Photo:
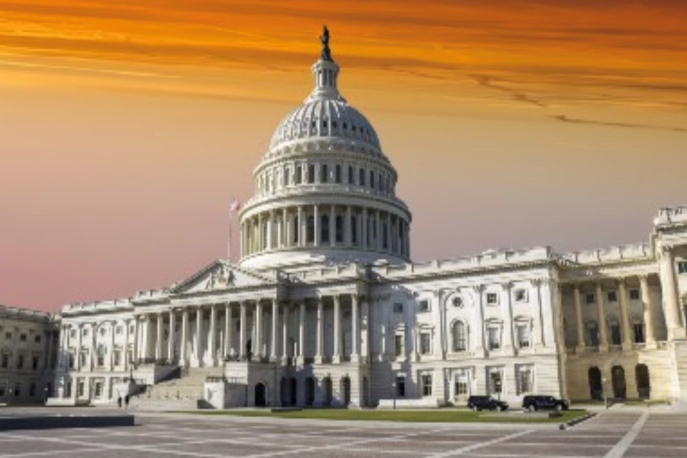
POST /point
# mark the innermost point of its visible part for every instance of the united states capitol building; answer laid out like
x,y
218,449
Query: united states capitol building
x,y
326,308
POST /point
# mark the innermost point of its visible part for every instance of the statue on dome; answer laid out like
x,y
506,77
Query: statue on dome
x,y
326,52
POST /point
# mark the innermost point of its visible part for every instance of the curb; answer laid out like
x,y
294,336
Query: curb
x,y
576,421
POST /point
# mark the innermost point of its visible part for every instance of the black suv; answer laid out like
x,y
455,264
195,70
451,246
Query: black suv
x,y
533,403
486,403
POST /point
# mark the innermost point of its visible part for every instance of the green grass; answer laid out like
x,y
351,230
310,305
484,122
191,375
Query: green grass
x,y
421,416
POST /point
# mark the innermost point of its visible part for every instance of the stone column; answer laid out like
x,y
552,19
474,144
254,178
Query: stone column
x,y
316,225
134,355
389,236
648,311
579,323
624,315
111,350
670,295
172,337
258,330
285,240
320,331
228,330
507,311
363,228
336,357
378,222
77,357
125,346
275,325
145,350
355,329
259,245
348,234
300,226
333,231
183,346
270,229
199,333
213,335
285,334
301,334
49,350
242,331
601,310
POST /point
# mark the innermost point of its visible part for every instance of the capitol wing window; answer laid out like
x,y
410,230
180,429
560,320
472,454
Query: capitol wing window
x,y
425,343
101,351
398,345
493,335
523,332
324,177
337,173
614,327
682,268
638,332
5,360
592,334
459,336
524,379
426,381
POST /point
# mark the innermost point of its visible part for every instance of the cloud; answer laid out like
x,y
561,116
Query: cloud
x,y
565,118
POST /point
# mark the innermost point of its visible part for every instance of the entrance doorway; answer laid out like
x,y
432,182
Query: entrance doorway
x,y
619,385
260,395
643,381
293,392
327,386
596,390
309,391
346,390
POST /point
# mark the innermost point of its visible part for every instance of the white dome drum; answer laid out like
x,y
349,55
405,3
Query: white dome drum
x,y
324,191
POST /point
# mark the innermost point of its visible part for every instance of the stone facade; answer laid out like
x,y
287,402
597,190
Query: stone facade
x,y
326,308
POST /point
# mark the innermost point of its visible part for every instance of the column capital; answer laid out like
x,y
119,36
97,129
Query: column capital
x,y
506,286
643,278
477,288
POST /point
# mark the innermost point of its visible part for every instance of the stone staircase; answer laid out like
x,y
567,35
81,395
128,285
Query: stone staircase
x,y
182,391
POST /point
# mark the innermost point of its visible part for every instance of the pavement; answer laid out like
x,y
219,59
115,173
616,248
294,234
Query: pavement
x,y
614,433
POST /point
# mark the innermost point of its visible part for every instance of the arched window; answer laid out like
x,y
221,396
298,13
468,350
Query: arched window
x,y
351,174
460,342
324,175
299,174
361,177
311,173
339,229
372,179
337,173
324,232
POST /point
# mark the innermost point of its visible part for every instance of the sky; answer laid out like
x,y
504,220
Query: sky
x,y
126,127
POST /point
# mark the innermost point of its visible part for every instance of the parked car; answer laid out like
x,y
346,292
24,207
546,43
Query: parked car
x,y
486,403
537,402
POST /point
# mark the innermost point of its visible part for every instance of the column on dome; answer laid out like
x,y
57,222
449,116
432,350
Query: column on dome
x,y
601,311
363,228
578,317
348,234
316,225
332,226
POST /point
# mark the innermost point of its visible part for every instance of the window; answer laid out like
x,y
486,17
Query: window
x,y
522,334
287,177
324,230
20,361
398,307
398,344
458,301
22,337
638,331
5,360
615,334
70,360
520,295
495,382
37,339
493,338
85,332
425,343
459,336
339,229
101,355
72,334
354,230
98,389
612,296
492,298
32,390
80,388
119,329
337,173
8,336
461,386
593,334
682,267
34,362
299,174
351,175
634,294
84,358
426,380
524,380
2,391
117,357
361,177
310,230
324,173
372,179
311,173
400,386
589,298
17,390
423,306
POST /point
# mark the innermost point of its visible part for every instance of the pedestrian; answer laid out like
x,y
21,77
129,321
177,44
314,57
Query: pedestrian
x,y
126,401
119,402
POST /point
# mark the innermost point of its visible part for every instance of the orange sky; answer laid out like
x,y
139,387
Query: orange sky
x,y
126,126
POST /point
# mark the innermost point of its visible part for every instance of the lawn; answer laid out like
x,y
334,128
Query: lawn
x,y
441,415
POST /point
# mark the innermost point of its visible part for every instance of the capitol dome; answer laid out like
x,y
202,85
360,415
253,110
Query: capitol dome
x,y
324,190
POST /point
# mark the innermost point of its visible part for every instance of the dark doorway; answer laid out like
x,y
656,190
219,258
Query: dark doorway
x,y
309,391
619,385
284,391
643,381
366,389
327,387
596,390
249,346
293,392
260,395
346,390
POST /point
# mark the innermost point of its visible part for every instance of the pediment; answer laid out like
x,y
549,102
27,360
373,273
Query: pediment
x,y
218,276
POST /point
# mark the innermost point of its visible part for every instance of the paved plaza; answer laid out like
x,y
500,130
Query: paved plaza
x,y
611,434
